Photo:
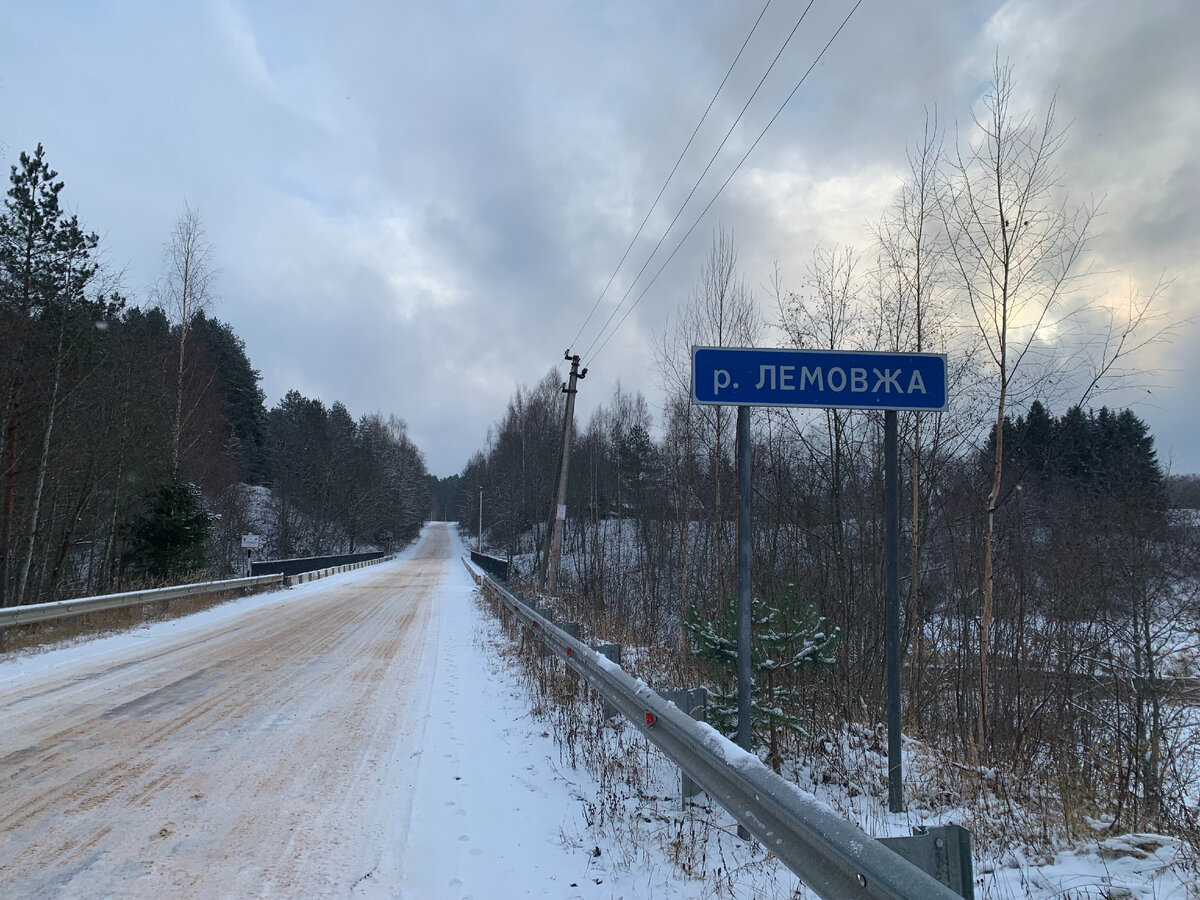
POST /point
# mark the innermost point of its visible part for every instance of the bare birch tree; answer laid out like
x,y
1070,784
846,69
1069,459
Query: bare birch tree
x,y
721,312
909,248
186,289
1015,249
829,313
912,316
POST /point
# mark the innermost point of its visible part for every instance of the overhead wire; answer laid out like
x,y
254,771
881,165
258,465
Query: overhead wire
x,y
591,358
700,178
671,175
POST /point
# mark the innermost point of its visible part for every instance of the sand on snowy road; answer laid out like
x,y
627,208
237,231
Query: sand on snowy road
x,y
240,759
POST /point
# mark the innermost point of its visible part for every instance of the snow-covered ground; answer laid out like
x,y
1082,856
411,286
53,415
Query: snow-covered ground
x,y
372,735
357,736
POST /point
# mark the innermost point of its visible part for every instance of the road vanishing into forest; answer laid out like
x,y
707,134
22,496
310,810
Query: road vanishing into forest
x,y
287,750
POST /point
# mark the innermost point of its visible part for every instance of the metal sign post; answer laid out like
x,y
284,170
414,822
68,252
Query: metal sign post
x,y
891,602
744,739
823,379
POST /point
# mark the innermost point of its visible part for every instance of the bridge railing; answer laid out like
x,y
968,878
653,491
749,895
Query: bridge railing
x,y
300,565
497,568
62,609
829,854
30,614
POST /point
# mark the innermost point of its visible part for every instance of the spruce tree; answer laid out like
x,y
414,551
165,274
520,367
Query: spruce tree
x,y
236,380
785,639
167,539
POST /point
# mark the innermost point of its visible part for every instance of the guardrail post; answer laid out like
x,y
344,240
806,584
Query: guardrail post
x,y
611,652
944,852
545,613
694,702
571,629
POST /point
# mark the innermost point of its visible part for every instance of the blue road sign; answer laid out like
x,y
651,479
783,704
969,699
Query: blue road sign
x,y
745,376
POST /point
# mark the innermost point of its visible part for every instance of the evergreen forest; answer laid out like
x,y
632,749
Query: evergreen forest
x,y
136,446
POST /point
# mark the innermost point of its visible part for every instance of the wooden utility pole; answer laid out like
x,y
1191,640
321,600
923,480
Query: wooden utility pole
x,y
560,503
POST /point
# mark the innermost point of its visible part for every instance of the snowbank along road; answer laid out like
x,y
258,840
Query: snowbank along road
x,y
273,747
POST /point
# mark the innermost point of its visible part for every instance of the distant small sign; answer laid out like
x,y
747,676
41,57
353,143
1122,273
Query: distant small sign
x,y
562,512
251,541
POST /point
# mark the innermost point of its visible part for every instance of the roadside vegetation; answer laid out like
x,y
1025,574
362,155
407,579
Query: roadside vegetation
x,y
1051,577
135,444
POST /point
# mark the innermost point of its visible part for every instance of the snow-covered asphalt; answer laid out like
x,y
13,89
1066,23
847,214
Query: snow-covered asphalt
x,y
338,739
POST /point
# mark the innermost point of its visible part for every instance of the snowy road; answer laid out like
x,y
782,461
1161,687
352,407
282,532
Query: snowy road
x,y
357,737
338,739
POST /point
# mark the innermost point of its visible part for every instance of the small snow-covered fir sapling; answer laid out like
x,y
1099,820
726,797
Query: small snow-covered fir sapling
x,y
785,639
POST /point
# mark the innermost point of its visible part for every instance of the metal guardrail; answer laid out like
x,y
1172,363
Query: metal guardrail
x,y
497,568
298,565
315,574
61,609
830,855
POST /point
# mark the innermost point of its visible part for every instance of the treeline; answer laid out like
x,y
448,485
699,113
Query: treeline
x,y
340,484
516,472
1096,582
1050,593
444,492
133,435
1183,491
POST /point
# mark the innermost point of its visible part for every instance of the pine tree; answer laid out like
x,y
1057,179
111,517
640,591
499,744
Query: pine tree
x,y
46,262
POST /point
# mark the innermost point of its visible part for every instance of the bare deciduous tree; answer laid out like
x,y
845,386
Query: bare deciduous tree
x,y
721,312
912,314
186,289
1015,248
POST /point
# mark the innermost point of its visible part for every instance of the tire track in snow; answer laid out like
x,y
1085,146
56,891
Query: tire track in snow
x,y
237,760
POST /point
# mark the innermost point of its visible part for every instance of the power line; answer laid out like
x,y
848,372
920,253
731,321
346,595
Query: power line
x,y
663,189
699,179
704,212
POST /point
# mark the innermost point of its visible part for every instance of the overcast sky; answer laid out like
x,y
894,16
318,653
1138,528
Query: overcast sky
x,y
414,205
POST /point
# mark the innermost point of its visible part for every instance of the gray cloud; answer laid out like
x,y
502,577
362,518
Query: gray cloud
x,y
415,205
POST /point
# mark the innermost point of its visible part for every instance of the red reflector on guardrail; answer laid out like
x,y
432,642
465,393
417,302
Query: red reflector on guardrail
x,y
650,720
